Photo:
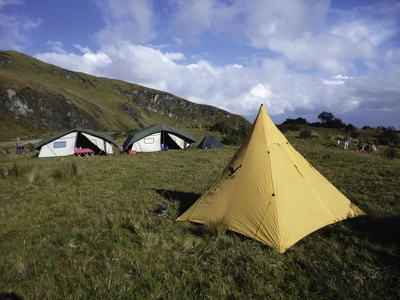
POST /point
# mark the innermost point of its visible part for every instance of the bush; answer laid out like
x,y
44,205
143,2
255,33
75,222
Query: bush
x,y
233,136
391,153
305,134
388,135
289,127
354,134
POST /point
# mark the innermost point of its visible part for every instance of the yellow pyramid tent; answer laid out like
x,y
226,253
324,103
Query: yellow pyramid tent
x,y
270,192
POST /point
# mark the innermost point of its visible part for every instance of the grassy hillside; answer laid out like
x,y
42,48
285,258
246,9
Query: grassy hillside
x,y
38,99
84,228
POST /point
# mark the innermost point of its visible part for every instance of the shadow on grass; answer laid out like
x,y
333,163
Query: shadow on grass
x,y
381,231
10,296
377,233
185,200
384,231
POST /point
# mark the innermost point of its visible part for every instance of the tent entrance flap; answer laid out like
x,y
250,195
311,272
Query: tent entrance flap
x,y
83,142
170,140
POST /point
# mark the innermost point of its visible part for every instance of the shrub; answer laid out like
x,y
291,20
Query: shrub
x,y
233,136
305,134
388,135
289,127
391,153
354,134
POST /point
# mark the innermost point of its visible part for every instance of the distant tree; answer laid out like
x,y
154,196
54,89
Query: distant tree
x,y
325,117
288,127
329,121
298,121
336,123
316,124
350,127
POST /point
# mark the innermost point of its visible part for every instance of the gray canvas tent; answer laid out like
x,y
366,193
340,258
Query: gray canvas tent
x,y
210,141
152,138
65,143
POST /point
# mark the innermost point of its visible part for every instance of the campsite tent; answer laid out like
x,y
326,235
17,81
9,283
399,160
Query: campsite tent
x,y
65,143
210,141
151,138
270,192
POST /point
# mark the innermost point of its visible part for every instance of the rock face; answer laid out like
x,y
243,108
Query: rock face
x,y
171,106
46,110
16,105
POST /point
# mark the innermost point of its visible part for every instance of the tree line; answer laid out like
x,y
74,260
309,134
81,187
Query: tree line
x,y
235,135
385,135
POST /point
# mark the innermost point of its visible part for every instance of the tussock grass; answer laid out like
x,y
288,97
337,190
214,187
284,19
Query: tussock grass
x,y
215,228
84,228
66,169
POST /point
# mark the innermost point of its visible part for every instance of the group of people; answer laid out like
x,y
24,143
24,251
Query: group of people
x,y
360,146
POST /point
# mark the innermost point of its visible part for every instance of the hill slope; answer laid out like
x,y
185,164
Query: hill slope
x,y
37,98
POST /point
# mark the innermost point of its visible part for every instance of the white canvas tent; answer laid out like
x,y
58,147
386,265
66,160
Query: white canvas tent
x,y
151,139
65,143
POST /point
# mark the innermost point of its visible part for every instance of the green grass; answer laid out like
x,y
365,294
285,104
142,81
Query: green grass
x,y
84,228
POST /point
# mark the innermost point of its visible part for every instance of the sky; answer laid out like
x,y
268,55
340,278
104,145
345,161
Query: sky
x,y
296,57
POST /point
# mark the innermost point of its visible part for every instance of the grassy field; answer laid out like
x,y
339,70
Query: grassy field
x,y
84,228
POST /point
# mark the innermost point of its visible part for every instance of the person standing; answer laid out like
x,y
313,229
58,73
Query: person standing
x,y
346,142
19,146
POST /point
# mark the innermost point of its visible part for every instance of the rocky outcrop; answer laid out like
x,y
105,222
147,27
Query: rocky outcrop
x,y
174,107
45,110
130,111
16,105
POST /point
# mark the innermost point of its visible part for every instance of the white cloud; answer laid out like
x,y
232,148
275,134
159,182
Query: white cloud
x,y
4,3
14,33
131,21
56,47
174,56
335,80
82,49
332,82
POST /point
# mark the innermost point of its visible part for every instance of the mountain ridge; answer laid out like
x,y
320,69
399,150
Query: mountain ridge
x,y
37,98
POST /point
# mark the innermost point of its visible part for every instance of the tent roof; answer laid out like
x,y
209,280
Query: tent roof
x,y
49,139
270,192
138,135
